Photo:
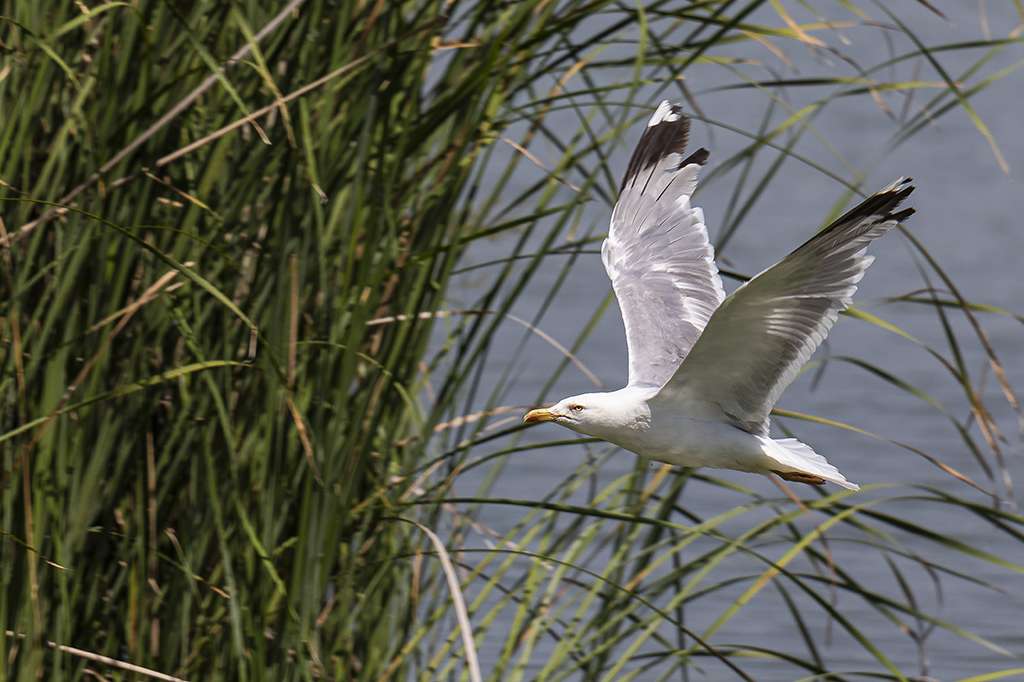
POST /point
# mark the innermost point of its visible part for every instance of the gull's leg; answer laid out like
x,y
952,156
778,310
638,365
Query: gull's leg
x,y
800,477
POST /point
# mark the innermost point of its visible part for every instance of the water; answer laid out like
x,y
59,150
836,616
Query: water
x,y
969,218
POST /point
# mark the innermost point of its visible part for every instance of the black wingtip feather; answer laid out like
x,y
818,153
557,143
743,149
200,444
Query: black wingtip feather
x,y
881,205
699,157
658,141
902,215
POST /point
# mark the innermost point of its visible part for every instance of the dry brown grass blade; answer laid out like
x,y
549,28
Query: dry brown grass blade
x,y
542,334
464,419
99,658
307,447
795,27
19,360
180,192
293,318
537,162
771,47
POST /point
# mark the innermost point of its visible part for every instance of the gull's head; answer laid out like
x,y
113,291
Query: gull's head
x,y
596,414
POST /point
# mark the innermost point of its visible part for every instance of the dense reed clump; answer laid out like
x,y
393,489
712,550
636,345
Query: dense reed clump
x,y
239,395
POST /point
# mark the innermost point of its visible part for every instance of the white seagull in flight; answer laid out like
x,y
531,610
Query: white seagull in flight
x,y
706,369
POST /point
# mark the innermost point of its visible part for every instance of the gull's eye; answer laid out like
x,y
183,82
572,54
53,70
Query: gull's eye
x,y
576,408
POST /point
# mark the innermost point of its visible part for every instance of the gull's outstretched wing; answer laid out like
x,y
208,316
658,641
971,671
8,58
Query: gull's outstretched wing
x,y
657,253
759,338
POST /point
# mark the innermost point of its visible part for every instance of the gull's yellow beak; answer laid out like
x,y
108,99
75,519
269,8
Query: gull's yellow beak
x,y
541,415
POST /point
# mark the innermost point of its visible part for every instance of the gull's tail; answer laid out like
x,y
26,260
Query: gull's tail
x,y
798,462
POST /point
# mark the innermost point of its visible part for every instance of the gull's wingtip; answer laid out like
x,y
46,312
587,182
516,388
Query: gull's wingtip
x,y
667,133
878,209
672,112
666,111
899,183
897,191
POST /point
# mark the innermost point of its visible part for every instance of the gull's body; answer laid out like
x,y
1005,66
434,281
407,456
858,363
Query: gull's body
x,y
705,370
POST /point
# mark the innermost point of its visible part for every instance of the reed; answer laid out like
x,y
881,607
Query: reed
x,y
239,401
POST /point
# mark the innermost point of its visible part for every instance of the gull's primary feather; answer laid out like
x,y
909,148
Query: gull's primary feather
x,y
756,342
657,253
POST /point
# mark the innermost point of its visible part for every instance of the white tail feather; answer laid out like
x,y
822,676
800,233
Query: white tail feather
x,y
799,457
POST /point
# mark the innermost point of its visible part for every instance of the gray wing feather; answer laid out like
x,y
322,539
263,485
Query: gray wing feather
x,y
657,253
757,341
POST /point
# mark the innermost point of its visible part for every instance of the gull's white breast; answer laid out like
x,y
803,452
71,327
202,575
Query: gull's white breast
x,y
681,440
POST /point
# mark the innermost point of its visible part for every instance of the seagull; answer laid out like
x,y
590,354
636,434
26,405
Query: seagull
x,y
705,369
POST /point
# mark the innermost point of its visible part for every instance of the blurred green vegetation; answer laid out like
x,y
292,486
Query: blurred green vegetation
x,y
232,374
